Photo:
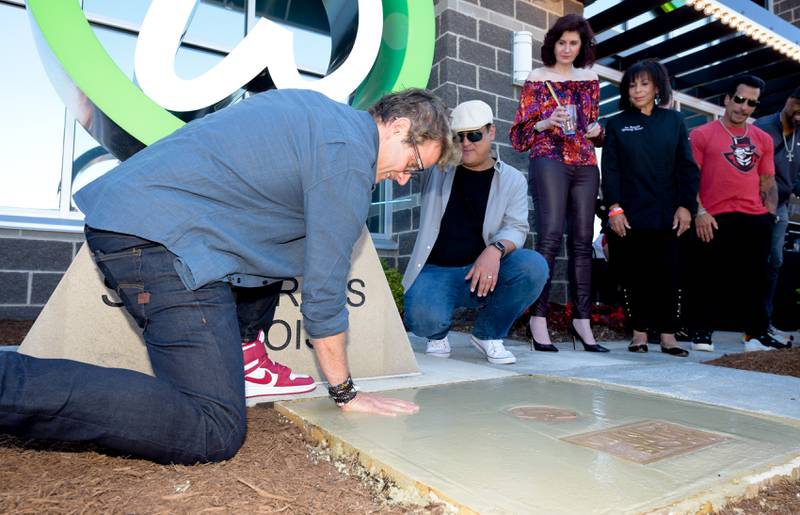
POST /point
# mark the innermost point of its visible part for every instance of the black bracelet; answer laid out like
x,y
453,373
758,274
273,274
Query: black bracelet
x,y
343,393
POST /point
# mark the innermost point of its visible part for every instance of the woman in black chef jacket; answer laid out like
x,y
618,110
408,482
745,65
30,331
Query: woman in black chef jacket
x,y
650,183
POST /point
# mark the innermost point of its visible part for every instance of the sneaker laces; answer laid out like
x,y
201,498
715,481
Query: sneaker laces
x,y
275,366
438,344
495,347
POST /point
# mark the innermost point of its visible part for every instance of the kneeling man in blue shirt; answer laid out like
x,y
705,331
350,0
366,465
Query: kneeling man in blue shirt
x,y
473,223
278,185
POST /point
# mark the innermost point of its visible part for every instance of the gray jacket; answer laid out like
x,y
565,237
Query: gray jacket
x,y
506,212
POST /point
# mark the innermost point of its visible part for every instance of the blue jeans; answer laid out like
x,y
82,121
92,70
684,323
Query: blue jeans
x,y
438,290
193,410
776,254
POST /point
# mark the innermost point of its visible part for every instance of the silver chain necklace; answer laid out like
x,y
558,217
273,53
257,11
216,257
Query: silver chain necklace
x,y
734,138
789,148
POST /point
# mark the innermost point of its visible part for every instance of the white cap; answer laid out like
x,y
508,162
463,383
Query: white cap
x,y
470,116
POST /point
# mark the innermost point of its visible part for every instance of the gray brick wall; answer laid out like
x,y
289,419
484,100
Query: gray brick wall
x,y
473,60
789,10
31,265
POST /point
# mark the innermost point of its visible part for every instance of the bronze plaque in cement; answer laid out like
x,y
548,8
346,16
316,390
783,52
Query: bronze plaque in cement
x,y
544,413
646,441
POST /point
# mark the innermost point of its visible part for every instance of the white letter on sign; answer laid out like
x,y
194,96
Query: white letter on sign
x,y
267,46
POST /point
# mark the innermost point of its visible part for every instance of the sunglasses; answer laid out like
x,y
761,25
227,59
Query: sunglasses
x,y
473,136
750,102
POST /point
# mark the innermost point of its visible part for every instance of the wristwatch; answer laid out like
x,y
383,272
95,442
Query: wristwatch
x,y
499,246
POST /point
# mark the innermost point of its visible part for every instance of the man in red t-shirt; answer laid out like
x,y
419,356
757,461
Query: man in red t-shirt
x,y
736,206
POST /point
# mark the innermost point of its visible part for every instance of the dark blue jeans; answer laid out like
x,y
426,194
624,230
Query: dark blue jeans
x,y
775,261
193,410
438,290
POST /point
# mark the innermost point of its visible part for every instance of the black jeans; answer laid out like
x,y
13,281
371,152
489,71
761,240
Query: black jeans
x,y
556,188
729,275
647,260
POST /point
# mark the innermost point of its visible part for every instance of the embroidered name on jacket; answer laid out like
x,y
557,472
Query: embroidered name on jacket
x,y
632,128
743,155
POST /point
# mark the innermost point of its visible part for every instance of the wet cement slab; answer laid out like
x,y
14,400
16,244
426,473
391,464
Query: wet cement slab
x,y
536,445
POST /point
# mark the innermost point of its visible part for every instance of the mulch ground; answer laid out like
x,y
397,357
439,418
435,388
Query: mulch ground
x,y
784,362
276,471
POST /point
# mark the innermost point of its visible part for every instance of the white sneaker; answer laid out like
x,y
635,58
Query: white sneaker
x,y
780,335
753,345
494,351
701,341
438,348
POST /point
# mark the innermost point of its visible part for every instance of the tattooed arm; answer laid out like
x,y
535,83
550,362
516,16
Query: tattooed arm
x,y
768,189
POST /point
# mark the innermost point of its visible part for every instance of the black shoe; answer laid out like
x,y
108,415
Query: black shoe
x,y
768,340
588,348
675,351
541,347
637,347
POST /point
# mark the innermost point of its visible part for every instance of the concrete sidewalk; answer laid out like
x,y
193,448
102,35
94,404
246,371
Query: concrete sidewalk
x,y
653,372
572,431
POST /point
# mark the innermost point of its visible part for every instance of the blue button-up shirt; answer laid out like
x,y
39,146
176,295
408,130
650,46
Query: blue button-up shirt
x,y
278,185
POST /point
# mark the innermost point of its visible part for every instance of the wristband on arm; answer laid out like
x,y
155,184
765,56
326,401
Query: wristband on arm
x,y
343,393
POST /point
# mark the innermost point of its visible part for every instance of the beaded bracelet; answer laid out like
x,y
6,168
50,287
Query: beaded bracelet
x,y
343,393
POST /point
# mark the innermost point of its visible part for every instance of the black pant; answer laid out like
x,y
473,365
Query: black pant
x,y
647,260
729,275
556,187
255,308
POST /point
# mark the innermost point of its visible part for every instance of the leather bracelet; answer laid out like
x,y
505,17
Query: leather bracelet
x,y
343,393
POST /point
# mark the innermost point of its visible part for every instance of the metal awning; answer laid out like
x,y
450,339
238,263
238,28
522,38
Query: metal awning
x,y
703,44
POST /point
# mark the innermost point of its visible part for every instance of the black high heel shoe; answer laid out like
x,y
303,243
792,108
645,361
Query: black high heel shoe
x,y
588,348
541,347
674,351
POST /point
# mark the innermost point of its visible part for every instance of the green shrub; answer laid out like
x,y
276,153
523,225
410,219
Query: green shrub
x,y
395,280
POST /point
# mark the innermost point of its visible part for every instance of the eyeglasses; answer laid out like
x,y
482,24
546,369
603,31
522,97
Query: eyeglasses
x,y
750,102
473,136
420,166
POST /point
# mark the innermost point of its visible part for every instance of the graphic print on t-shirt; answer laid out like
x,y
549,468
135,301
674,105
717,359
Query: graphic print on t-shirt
x,y
743,155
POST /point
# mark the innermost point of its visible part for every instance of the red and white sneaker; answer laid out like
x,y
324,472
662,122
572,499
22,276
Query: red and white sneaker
x,y
262,376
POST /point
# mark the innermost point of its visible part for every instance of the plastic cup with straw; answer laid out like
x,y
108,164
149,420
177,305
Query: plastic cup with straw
x,y
572,114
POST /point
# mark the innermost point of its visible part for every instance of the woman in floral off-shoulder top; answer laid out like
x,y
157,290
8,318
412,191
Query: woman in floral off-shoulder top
x,y
563,172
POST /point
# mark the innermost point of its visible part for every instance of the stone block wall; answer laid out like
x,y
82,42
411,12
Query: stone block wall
x,y
789,10
473,60
31,265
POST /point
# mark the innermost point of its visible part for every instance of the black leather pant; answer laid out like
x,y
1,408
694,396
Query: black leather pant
x,y
557,189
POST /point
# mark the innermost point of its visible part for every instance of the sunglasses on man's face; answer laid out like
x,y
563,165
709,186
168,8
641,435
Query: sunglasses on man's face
x,y
741,100
473,136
